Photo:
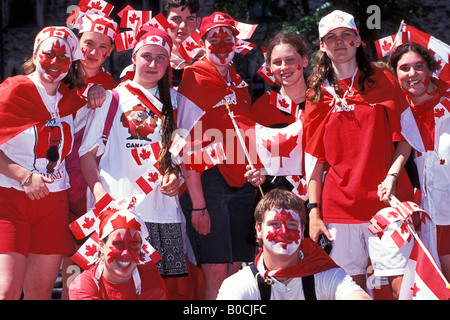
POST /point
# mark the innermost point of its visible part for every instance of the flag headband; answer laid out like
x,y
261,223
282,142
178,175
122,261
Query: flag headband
x,y
107,216
63,33
93,17
154,36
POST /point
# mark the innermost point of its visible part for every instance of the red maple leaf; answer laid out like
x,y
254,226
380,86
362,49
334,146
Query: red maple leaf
x,y
152,177
91,250
393,214
96,5
283,103
285,146
88,223
386,46
145,154
442,162
438,113
134,18
191,46
415,289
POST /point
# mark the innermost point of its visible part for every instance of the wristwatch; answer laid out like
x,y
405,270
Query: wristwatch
x,y
309,206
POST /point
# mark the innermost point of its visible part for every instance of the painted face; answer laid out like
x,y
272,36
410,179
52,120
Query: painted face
x,y
220,44
183,23
53,59
414,75
96,47
340,44
287,64
122,253
151,62
281,231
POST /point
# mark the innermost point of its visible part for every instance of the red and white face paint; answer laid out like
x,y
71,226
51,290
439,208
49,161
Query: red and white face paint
x,y
53,59
220,44
281,231
122,252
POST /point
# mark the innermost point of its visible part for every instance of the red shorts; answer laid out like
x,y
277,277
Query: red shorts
x,y
443,240
34,226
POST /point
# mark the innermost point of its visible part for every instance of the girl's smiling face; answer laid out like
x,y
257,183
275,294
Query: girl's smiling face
x,y
414,75
287,64
121,253
52,60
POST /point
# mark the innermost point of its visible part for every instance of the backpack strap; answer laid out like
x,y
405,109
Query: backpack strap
x,y
309,288
264,288
110,116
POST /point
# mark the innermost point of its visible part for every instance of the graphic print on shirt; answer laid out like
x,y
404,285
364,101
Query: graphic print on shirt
x,y
140,122
53,142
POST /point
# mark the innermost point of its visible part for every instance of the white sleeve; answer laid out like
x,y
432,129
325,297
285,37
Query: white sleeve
x,y
94,127
240,286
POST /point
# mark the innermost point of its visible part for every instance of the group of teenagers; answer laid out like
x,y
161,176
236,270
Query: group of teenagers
x,y
70,136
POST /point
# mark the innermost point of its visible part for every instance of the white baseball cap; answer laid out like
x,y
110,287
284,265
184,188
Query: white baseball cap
x,y
334,20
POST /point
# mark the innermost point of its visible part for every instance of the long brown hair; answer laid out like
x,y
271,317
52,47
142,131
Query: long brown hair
x,y
323,69
167,125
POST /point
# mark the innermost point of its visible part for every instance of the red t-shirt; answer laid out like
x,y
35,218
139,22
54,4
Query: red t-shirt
x,y
357,146
84,287
203,85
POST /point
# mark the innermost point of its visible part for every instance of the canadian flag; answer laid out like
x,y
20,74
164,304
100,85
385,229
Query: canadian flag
x,y
264,71
147,154
131,18
396,215
190,46
88,252
385,45
206,157
86,224
159,21
245,30
96,6
422,279
299,186
439,49
283,103
244,47
280,149
124,40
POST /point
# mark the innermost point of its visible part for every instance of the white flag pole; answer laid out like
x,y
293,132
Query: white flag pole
x,y
241,140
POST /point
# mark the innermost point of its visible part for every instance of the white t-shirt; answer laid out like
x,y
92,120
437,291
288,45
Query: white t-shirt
x,y
28,148
332,284
118,169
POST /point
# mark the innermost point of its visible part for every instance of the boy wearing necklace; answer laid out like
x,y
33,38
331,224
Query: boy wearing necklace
x,y
288,260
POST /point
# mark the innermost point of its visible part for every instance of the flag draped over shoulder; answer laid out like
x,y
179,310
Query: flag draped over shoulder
x,y
21,106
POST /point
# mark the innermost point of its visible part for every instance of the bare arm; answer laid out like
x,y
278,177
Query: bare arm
x,y
91,174
33,184
200,219
316,224
387,187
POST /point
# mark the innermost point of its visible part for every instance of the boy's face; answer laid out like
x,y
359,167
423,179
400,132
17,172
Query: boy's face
x,y
183,23
280,231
